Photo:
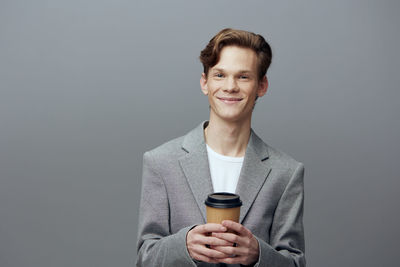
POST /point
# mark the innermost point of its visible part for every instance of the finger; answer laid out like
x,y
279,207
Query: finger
x,y
230,237
211,240
233,260
231,250
237,227
209,227
210,253
204,258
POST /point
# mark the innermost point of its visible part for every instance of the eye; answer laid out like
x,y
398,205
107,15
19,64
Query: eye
x,y
244,77
219,75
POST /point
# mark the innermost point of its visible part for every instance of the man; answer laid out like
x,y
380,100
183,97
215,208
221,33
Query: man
x,y
223,154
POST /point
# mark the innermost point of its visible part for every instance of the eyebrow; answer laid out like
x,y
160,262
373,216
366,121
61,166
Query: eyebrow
x,y
222,70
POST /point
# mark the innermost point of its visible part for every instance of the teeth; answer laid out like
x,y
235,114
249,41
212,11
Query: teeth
x,y
231,99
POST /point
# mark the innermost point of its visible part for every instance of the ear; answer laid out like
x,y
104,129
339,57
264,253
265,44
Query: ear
x,y
203,84
262,87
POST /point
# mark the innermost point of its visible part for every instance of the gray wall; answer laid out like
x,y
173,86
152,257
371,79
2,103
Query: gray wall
x,y
87,86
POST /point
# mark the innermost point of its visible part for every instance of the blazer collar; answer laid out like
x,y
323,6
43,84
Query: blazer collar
x,y
197,171
254,172
195,166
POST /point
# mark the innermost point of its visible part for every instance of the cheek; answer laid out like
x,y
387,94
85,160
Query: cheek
x,y
249,91
212,89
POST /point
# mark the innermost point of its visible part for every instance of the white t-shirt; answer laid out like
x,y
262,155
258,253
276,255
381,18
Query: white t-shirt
x,y
224,171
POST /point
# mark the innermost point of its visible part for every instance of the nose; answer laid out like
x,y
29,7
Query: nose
x,y
231,85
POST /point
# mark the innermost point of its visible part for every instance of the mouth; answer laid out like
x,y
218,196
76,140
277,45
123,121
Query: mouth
x,y
230,100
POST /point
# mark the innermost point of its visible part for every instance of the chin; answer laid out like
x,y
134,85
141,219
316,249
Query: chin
x,y
232,117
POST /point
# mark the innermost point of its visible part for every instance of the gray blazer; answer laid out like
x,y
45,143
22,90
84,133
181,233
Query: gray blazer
x,y
176,181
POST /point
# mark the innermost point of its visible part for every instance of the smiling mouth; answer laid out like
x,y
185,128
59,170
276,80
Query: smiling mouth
x,y
230,100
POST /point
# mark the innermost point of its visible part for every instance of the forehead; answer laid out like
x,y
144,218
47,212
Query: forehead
x,y
235,58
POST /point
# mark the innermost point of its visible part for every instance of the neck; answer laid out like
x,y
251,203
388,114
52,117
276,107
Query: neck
x,y
228,138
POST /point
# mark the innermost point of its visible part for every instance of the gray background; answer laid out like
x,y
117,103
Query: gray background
x,y
87,86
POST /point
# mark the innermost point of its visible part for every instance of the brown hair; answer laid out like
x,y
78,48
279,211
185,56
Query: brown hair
x,y
210,55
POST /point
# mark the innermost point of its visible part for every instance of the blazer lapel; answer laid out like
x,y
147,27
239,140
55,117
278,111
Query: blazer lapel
x,y
195,166
255,171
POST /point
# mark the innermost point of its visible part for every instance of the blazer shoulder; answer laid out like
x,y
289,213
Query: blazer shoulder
x,y
175,148
169,149
282,160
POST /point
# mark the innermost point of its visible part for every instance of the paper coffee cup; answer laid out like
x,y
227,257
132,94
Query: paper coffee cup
x,y
223,206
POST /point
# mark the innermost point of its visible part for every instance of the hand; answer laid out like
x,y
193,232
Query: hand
x,y
197,239
246,250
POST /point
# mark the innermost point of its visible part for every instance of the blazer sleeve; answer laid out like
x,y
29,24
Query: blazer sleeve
x,y
286,248
156,245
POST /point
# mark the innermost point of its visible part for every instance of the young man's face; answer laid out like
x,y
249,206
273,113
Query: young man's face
x,y
232,84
